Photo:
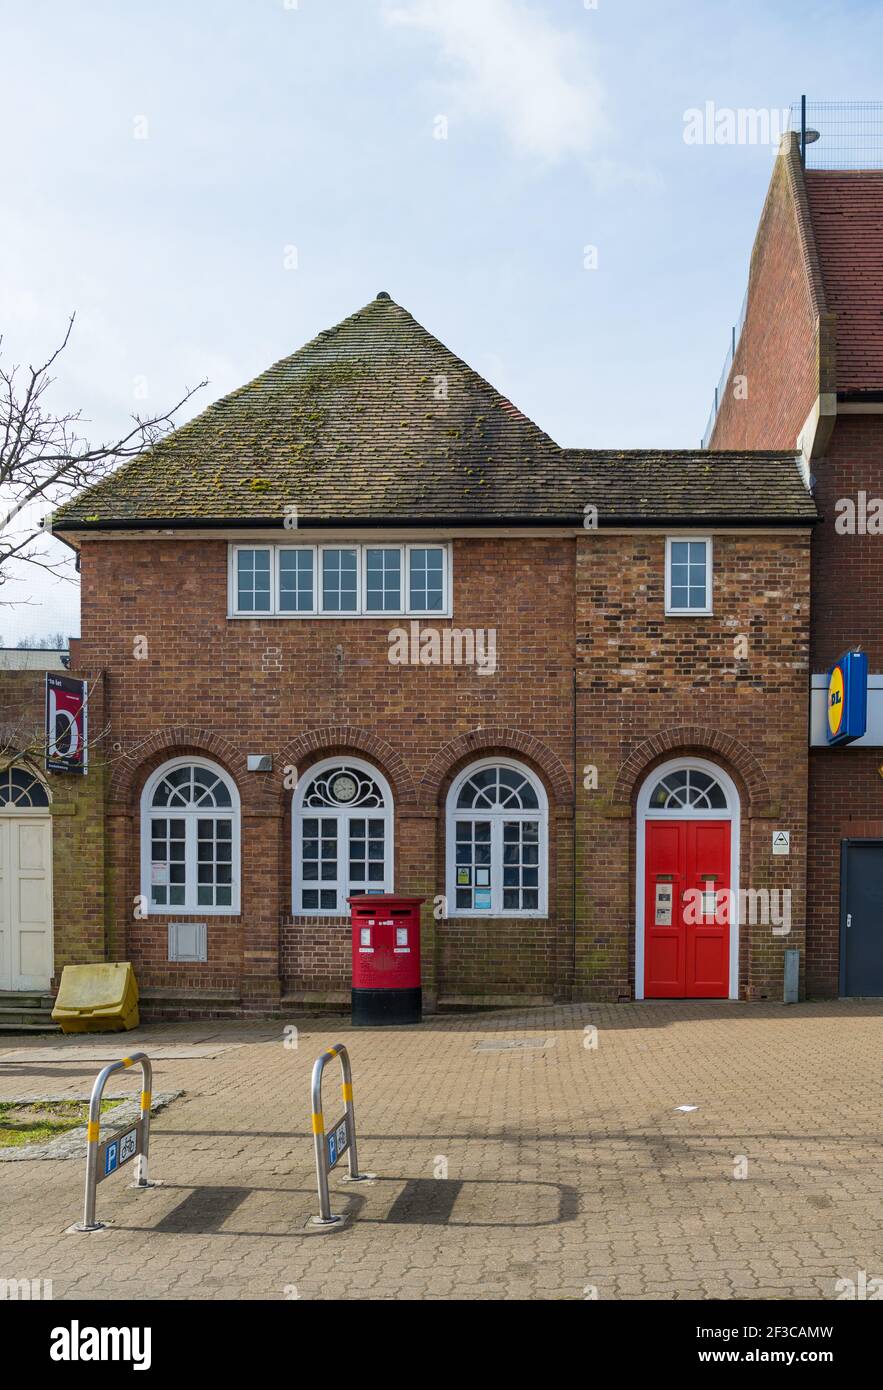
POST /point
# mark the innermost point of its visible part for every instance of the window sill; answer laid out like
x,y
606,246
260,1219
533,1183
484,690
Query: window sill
x,y
447,616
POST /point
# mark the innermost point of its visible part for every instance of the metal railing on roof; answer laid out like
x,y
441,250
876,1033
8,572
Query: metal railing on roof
x,y
833,135
840,134
735,335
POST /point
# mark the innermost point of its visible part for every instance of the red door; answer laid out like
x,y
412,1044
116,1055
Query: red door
x,y
687,909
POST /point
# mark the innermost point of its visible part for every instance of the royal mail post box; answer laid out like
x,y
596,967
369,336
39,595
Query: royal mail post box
x,y
386,960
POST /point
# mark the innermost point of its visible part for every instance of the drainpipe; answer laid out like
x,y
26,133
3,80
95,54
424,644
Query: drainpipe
x,y
573,864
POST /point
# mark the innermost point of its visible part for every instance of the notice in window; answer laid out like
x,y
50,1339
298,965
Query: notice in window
x,y
663,904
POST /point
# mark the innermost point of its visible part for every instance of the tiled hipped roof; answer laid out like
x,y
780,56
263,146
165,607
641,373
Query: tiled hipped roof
x,y
376,421
847,217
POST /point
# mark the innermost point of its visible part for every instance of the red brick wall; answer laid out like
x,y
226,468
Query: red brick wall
x,y
262,686
846,802
304,690
847,570
846,791
652,687
776,352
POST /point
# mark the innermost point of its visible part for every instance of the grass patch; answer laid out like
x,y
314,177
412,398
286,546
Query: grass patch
x,y
36,1122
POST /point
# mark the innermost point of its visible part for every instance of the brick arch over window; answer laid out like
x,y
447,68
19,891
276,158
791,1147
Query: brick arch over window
x,y
129,772
481,742
345,738
712,743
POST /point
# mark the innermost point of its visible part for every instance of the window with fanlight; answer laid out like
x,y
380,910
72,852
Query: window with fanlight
x,y
688,789
190,839
342,826
497,842
21,790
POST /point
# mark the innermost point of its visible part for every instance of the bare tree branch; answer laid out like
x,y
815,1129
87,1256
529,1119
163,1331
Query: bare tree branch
x,y
45,457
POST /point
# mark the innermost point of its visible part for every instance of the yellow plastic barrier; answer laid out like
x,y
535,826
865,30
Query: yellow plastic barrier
x,y
97,999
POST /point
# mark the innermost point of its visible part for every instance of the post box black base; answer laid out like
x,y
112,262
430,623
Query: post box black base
x,y
379,1008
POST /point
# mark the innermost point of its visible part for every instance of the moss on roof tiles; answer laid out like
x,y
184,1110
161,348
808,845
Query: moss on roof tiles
x,y
349,428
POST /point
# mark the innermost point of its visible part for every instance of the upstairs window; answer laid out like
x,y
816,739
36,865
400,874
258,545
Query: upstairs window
x,y
340,581
688,575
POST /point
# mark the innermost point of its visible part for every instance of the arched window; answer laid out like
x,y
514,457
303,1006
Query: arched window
x,y
497,843
190,839
687,788
342,836
20,790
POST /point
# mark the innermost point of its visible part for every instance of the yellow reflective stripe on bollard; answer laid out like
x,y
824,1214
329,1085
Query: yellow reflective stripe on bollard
x,y
92,1132
331,1052
146,1098
318,1123
347,1089
127,1062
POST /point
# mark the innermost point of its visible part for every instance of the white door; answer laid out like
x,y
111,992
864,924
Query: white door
x,y
25,902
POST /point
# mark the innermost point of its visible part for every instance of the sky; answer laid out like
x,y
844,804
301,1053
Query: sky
x,y
209,183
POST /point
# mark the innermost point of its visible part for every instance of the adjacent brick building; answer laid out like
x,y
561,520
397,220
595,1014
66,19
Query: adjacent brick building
x,y
52,910
547,689
808,371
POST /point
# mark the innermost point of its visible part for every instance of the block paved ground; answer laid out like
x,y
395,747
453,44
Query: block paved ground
x,y
538,1173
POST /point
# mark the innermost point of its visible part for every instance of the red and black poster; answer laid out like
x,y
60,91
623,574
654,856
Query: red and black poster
x,y
65,724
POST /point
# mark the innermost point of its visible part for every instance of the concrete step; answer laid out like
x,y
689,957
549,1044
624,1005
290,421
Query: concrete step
x,y
25,999
26,1011
14,1027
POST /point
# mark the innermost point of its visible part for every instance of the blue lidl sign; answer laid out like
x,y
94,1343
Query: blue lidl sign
x,y
847,713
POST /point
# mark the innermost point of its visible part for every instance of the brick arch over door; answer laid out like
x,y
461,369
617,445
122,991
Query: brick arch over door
x,y
130,771
481,742
345,738
708,741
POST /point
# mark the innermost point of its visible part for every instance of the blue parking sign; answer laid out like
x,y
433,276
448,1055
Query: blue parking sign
x,y
111,1158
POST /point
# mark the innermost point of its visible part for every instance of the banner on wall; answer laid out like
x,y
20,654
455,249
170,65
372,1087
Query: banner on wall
x,y
66,724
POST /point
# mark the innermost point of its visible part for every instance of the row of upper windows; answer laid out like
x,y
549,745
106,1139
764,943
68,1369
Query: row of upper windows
x,y
339,580
298,581
342,839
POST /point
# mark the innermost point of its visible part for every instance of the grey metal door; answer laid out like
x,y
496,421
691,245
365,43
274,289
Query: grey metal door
x,y
861,925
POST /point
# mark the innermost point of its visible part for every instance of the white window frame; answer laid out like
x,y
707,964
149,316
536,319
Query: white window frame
x,y
188,814
709,577
646,812
343,815
317,550
9,808
496,816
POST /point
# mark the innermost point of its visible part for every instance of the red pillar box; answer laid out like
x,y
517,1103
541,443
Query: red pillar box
x,y
386,960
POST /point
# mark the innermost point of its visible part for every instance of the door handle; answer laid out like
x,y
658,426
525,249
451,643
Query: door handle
x,y
848,920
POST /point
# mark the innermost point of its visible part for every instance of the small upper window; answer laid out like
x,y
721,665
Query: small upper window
x,y
340,581
688,575
22,789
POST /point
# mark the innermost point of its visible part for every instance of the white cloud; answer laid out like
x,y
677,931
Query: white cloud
x,y
516,68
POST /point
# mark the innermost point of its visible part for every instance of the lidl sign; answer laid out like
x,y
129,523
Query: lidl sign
x,y
848,699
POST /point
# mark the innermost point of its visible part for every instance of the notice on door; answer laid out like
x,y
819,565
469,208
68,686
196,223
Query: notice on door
x,y
663,904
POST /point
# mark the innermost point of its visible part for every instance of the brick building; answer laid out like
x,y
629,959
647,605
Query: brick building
x,y
362,625
808,371
51,848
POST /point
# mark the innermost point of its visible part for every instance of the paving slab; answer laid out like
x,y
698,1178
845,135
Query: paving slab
x,y
540,1169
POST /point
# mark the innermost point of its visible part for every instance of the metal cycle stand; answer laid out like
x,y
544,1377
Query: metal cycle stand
x,y
113,1150
340,1140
